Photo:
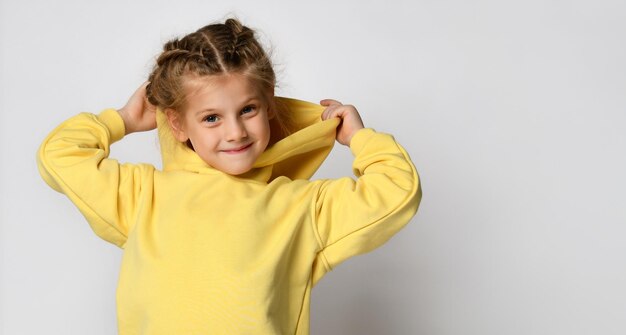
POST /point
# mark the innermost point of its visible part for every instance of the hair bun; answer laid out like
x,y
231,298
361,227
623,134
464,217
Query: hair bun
x,y
234,25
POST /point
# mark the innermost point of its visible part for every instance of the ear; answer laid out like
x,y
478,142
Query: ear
x,y
176,125
271,106
271,112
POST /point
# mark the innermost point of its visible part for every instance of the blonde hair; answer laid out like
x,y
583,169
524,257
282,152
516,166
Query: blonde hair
x,y
215,49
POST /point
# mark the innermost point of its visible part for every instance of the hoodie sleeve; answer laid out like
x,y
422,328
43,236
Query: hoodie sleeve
x,y
354,217
73,160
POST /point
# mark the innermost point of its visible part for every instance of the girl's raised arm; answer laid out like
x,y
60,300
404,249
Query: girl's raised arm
x,y
356,216
73,160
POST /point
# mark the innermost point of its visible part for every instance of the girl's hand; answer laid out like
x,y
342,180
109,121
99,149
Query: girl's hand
x,y
138,114
350,119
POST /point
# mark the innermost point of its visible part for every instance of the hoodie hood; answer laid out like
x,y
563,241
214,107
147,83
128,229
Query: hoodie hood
x,y
296,156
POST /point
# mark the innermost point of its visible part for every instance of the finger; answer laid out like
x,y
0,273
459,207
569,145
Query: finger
x,y
329,112
147,104
329,102
342,110
141,90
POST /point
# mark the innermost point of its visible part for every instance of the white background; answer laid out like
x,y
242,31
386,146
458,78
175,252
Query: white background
x,y
514,113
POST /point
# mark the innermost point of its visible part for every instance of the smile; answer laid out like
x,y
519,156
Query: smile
x,y
238,150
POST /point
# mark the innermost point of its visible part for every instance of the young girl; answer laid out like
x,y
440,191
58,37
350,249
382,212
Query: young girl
x,y
231,236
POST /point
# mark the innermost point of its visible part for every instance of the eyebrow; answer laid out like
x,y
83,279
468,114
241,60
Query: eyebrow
x,y
246,102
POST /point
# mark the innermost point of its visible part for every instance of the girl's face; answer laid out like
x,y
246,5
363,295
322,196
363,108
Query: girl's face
x,y
226,119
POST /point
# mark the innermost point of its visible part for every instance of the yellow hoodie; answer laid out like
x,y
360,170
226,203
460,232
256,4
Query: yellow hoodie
x,y
210,253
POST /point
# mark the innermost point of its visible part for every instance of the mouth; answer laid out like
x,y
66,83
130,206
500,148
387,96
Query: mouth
x,y
238,150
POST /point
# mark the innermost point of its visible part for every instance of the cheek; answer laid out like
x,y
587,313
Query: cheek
x,y
264,130
204,137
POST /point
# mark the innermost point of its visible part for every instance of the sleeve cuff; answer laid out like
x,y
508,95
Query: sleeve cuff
x,y
359,139
114,122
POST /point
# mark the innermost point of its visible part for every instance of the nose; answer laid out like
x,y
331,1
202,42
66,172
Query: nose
x,y
235,130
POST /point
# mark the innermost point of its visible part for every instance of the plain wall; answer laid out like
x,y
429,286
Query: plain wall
x,y
514,113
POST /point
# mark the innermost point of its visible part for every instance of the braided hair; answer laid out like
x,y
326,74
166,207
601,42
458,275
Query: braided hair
x,y
215,49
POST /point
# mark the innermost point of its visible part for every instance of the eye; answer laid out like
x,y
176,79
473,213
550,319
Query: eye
x,y
248,109
210,118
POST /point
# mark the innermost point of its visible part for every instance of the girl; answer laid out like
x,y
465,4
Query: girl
x,y
231,236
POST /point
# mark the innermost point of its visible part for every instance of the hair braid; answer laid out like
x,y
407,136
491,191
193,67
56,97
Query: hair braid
x,y
215,49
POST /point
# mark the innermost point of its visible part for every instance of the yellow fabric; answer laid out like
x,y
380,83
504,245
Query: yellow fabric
x,y
210,253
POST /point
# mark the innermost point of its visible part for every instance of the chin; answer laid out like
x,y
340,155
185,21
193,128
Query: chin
x,y
237,171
